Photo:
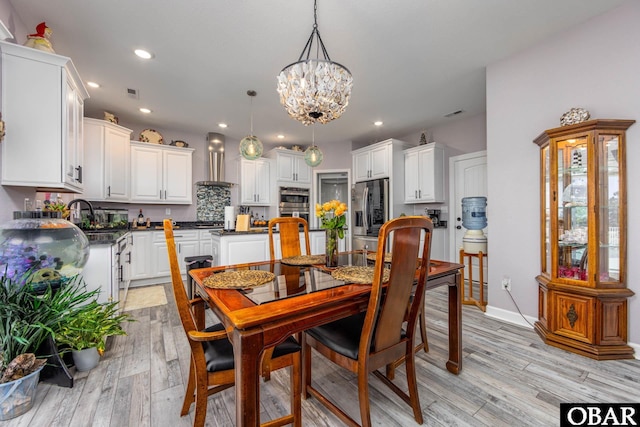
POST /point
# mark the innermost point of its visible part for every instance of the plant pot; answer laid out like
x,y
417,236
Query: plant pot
x,y
17,397
86,359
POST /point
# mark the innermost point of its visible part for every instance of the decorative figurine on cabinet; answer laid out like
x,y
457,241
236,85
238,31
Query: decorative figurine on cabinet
x,y
40,40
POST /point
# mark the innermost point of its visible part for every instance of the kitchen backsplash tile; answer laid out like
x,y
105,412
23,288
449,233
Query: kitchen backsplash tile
x,y
210,202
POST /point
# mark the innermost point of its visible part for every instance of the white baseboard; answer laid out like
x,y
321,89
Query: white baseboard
x,y
515,318
510,316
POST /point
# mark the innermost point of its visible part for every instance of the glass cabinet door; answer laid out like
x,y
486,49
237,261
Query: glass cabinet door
x,y
573,212
546,211
611,209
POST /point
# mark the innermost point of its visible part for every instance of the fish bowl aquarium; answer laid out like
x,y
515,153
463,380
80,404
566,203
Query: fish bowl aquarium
x,y
41,249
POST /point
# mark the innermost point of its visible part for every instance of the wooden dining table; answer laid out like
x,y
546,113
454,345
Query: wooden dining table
x,y
299,298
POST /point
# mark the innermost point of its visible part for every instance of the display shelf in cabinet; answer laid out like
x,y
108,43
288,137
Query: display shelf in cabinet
x,y
161,174
43,105
424,174
582,285
108,156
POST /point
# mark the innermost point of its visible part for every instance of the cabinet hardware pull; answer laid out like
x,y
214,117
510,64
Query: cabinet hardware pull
x,y
129,258
160,194
165,194
79,178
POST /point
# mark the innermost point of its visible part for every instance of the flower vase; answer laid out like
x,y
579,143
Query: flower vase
x,y
331,248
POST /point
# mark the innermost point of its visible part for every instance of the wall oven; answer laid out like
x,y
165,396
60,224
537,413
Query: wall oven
x,y
294,201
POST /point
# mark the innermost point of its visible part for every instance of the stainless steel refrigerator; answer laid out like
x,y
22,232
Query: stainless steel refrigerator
x,y
369,210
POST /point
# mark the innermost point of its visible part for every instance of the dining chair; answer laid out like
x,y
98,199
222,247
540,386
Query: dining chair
x,y
368,341
289,230
212,365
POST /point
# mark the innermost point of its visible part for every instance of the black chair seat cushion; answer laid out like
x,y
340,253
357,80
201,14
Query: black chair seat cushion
x,y
343,336
219,354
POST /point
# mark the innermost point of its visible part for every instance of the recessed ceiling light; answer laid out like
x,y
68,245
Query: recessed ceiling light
x,y
378,123
145,110
93,84
143,54
280,136
222,125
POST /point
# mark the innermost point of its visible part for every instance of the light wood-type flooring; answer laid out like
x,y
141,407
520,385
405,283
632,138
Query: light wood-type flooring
x,y
509,378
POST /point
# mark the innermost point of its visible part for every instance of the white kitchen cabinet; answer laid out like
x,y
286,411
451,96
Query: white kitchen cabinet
x,y
206,247
317,240
150,259
424,174
187,244
42,104
100,272
240,248
141,267
107,158
291,169
372,162
161,174
108,269
255,182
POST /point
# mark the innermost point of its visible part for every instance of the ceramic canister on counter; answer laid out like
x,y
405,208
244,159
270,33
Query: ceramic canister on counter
x,y
229,217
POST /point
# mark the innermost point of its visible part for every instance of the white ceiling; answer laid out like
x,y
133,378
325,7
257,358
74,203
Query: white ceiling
x,y
413,61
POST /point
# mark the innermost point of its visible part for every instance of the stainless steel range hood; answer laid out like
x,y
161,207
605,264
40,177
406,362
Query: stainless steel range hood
x,y
214,161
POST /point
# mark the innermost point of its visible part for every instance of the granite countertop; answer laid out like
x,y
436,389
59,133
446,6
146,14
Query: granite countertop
x,y
104,237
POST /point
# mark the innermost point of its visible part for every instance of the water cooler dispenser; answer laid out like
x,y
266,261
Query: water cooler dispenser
x,y
474,219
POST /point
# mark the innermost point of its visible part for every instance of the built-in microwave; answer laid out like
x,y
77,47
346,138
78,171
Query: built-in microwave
x,y
294,201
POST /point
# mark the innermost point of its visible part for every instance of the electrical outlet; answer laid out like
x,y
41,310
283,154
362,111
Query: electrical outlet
x,y
167,211
506,283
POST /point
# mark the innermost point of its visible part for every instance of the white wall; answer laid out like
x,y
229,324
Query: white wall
x,y
595,66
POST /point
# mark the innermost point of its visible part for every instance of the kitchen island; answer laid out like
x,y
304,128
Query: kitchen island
x,y
237,247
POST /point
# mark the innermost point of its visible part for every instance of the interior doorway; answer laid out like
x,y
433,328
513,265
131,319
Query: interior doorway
x,y
467,178
332,184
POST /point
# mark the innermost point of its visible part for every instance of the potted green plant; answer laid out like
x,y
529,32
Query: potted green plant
x,y
86,329
28,317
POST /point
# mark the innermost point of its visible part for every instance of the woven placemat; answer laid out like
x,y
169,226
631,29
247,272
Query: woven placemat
x,y
303,260
358,274
372,257
240,279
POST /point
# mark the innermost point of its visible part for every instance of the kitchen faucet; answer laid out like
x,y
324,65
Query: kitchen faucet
x,y
74,201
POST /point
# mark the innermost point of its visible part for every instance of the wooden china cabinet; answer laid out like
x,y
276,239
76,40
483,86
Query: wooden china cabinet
x,y
582,303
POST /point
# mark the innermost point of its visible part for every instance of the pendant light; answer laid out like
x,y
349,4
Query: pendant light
x,y
312,155
251,146
315,90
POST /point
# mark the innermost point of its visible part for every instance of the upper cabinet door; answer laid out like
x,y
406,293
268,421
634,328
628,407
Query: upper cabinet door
x,y
117,164
373,162
424,174
361,166
161,174
380,161
107,161
177,176
291,169
146,174
42,104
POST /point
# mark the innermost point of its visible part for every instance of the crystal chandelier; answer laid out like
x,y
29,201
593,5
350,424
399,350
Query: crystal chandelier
x,y
312,155
315,90
251,146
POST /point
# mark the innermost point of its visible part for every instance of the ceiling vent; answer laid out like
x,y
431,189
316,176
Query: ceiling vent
x,y
454,113
133,93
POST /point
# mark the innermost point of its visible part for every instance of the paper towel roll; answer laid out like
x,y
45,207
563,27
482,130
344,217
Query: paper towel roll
x,y
229,217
